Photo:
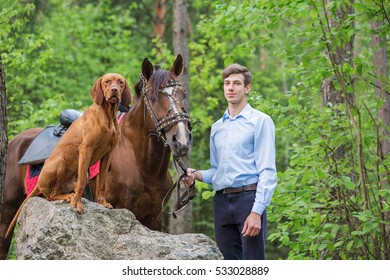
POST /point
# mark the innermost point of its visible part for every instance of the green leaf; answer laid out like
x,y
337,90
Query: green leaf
x,y
208,194
348,183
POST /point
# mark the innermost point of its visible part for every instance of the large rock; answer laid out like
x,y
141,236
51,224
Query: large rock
x,y
54,230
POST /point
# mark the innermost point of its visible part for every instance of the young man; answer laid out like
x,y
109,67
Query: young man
x,y
243,171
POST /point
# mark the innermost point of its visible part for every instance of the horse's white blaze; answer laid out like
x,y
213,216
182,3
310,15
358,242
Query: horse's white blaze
x,y
181,135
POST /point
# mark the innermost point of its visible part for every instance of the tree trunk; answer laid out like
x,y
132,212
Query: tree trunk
x,y
381,84
180,36
183,223
3,132
330,95
340,52
160,10
382,74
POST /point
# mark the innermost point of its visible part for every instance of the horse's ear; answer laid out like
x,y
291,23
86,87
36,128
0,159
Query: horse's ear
x,y
147,68
97,92
126,95
177,66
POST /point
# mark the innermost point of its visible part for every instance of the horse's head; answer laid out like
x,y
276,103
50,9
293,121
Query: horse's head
x,y
164,98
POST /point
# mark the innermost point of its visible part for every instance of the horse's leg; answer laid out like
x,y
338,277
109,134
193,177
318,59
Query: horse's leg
x,y
14,195
10,207
14,190
153,223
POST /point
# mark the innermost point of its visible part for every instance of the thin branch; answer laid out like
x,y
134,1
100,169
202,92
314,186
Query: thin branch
x,y
381,6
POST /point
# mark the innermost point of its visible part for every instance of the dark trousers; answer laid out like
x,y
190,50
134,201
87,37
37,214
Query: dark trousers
x,y
230,213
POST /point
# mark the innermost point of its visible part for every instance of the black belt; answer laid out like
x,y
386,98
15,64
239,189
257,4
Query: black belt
x,y
251,187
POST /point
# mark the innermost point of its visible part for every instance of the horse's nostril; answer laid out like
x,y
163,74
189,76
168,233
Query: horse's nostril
x,y
183,150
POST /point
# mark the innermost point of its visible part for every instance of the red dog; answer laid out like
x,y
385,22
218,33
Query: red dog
x,y
89,139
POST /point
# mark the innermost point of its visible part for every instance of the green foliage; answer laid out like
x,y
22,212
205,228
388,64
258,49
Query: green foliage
x,y
319,210
46,114
66,49
330,202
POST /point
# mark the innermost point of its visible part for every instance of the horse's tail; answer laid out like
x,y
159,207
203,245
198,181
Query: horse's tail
x,y
11,226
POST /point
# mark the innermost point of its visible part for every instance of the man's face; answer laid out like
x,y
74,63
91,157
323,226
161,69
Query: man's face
x,y
234,89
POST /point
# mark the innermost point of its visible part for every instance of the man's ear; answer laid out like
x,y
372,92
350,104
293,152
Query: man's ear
x,y
248,88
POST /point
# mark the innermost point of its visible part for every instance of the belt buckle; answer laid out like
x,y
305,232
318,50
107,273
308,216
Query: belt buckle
x,y
230,190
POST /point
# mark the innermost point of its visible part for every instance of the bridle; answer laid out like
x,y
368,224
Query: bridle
x,y
170,119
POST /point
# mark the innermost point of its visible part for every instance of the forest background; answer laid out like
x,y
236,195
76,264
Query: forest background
x,y
320,70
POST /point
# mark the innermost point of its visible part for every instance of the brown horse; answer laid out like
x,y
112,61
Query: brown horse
x,y
138,179
157,125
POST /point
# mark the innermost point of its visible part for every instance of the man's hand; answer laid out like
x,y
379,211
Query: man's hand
x,y
190,178
252,225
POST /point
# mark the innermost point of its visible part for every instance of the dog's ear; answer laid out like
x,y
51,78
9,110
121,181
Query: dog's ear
x,y
97,92
126,95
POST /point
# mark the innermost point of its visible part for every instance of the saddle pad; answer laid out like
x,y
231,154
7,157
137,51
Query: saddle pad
x,y
94,170
32,176
41,147
33,171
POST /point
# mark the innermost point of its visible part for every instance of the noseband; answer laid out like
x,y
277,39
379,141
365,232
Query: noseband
x,y
171,117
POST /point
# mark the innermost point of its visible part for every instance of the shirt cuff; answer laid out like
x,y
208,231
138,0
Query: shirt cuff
x,y
258,208
207,176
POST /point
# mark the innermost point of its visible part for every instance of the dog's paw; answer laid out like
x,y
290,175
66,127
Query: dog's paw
x,y
105,203
68,198
80,209
78,205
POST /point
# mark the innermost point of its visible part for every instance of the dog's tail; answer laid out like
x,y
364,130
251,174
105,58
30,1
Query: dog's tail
x,y
11,226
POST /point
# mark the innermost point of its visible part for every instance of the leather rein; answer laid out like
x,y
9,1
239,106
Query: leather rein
x,y
170,119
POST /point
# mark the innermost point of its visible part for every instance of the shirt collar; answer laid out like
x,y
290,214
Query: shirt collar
x,y
245,113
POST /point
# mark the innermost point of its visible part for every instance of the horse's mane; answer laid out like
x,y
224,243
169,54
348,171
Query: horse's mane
x,y
159,77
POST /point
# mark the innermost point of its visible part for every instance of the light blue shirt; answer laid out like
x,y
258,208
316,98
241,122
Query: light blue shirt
x,y
242,152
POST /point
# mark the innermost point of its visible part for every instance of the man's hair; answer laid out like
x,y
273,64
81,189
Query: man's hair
x,y
238,69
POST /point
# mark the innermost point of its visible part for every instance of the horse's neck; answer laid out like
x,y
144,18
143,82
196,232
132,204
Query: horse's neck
x,y
149,152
